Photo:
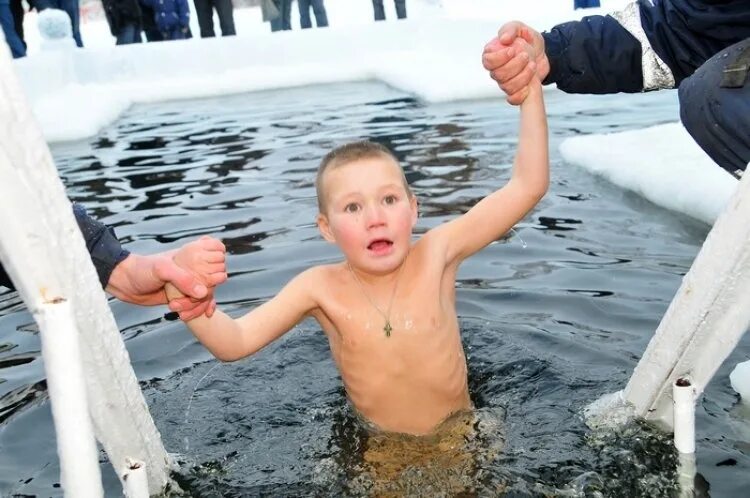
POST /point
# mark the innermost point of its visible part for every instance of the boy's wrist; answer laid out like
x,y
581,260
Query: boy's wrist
x,y
533,89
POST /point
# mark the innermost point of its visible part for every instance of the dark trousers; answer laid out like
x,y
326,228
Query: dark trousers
x,y
321,18
716,116
17,48
174,33
585,4
204,9
284,21
16,7
130,33
377,5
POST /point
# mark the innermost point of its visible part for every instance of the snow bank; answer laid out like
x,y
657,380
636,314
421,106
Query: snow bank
x,y
435,55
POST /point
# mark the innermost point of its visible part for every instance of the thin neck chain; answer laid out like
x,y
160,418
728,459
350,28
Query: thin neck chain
x,y
387,316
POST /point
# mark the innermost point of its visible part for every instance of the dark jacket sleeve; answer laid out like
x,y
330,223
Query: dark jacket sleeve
x,y
101,243
593,55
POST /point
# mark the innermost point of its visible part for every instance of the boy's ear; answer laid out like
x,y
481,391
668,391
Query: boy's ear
x,y
325,228
414,210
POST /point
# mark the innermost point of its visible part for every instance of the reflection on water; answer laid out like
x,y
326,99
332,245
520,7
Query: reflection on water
x,y
553,315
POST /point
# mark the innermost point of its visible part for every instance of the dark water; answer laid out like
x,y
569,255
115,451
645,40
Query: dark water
x,y
552,317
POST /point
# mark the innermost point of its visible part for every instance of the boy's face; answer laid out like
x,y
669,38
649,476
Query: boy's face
x,y
369,213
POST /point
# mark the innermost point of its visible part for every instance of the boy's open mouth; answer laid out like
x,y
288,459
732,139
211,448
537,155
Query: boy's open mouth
x,y
379,245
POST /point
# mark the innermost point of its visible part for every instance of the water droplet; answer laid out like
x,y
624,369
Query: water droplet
x,y
523,244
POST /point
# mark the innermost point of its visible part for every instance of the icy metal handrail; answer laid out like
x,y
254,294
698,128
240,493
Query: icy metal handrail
x,y
706,319
44,253
66,385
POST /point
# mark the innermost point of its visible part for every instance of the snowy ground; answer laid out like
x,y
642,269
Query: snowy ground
x,y
435,55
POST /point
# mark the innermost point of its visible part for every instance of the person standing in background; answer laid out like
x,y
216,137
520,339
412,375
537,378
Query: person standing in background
x,y
377,6
284,20
17,48
172,17
321,18
148,23
585,4
204,9
124,19
16,7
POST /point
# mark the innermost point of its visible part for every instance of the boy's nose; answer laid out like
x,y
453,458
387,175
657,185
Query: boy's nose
x,y
375,216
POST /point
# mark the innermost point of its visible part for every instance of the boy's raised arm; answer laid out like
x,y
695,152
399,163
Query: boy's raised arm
x,y
494,215
231,339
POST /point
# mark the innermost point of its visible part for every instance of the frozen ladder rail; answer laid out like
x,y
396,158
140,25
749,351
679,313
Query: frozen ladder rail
x,y
703,324
43,251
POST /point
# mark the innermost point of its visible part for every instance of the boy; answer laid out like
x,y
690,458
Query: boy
x,y
388,309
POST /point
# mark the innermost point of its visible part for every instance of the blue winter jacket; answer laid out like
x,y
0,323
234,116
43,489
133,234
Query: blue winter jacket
x,y
170,14
648,45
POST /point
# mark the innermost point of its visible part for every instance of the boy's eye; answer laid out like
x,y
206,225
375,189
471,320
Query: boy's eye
x,y
390,199
351,207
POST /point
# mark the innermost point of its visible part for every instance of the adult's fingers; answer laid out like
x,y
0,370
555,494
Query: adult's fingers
x,y
215,256
169,271
517,83
498,58
511,69
518,97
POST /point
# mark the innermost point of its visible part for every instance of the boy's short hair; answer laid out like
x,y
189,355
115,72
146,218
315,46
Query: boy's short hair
x,y
348,153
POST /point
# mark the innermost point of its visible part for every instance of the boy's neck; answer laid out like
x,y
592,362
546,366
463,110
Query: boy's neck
x,y
370,278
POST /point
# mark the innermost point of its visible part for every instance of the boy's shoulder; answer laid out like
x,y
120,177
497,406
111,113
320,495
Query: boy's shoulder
x,y
323,273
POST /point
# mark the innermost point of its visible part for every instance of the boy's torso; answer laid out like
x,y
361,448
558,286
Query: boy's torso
x,y
414,379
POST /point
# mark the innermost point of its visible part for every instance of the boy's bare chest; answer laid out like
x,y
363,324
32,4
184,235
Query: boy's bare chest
x,y
418,321
409,309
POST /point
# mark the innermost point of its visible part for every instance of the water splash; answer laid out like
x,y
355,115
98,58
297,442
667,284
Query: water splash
x,y
516,234
190,402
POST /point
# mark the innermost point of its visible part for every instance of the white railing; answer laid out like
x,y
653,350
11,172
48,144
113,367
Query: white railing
x,y
44,253
706,319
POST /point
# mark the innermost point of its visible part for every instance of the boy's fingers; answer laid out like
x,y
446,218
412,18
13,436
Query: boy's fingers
x,y
207,307
215,256
211,244
509,32
197,310
169,271
493,45
215,279
211,308
532,37
181,304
